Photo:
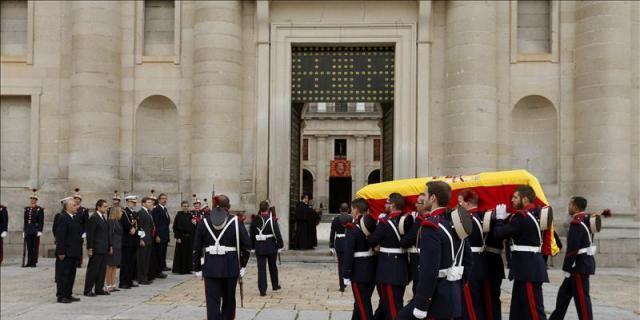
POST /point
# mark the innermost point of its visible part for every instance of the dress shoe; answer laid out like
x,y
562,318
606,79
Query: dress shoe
x,y
89,294
276,288
162,276
262,294
102,293
166,269
64,300
342,289
124,286
74,299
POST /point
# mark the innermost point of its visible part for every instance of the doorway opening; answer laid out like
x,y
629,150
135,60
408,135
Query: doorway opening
x,y
339,192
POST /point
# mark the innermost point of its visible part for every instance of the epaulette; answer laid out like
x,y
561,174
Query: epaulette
x,y
577,219
428,224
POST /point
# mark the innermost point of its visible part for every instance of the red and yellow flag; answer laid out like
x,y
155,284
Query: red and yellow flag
x,y
492,187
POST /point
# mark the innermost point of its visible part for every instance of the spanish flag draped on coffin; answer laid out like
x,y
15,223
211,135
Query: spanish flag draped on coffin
x,y
492,187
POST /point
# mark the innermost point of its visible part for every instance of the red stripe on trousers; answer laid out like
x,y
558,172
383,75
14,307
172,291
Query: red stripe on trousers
x,y
488,303
583,302
467,300
532,301
392,305
356,294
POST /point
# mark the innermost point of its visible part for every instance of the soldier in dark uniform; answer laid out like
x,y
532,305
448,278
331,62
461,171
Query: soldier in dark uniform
x,y
474,284
438,294
527,268
217,240
145,229
493,248
266,241
196,213
336,239
4,223
32,230
408,228
68,251
392,266
578,264
130,243
83,218
359,268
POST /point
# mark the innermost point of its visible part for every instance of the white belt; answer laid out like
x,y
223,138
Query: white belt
x,y
363,254
493,250
452,274
533,249
413,250
340,235
263,237
588,250
219,250
392,250
477,249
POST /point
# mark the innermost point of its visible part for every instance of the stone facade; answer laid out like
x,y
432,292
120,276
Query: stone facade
x,y
101,97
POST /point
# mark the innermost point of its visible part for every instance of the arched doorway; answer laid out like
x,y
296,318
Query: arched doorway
x,y
307,182
156,145
374,177
534,132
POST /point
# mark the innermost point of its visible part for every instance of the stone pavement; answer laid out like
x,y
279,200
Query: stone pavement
x,y
309,292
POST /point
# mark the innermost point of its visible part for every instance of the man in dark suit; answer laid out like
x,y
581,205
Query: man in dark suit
x,y
98,246
4,221
162,220
145,226
68,250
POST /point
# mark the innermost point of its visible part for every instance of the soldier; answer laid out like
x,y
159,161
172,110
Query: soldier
x,y
408,229
527,268
223,245
440,243
493,248
266,241
474,284
196,213
579,263
4,222
130,243
68,251
145,229
83,217
392,265
336,239
359,268
33,223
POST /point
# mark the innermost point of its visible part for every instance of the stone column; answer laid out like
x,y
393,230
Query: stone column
x,y
602,88
322,190
359,174
470,138
94,137
216,152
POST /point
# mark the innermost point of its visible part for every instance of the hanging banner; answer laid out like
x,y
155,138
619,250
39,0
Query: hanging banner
x,y
340,168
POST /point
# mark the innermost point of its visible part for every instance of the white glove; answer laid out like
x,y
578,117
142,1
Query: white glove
x,y
333,251
39,233
501,211
242,270
567,274
3,234
141,234
279,250
199,274
23,235
346,282
84,235
419,313
253,251
382,215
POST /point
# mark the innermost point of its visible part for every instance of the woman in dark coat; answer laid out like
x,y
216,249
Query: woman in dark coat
x,y
115,235
183,228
